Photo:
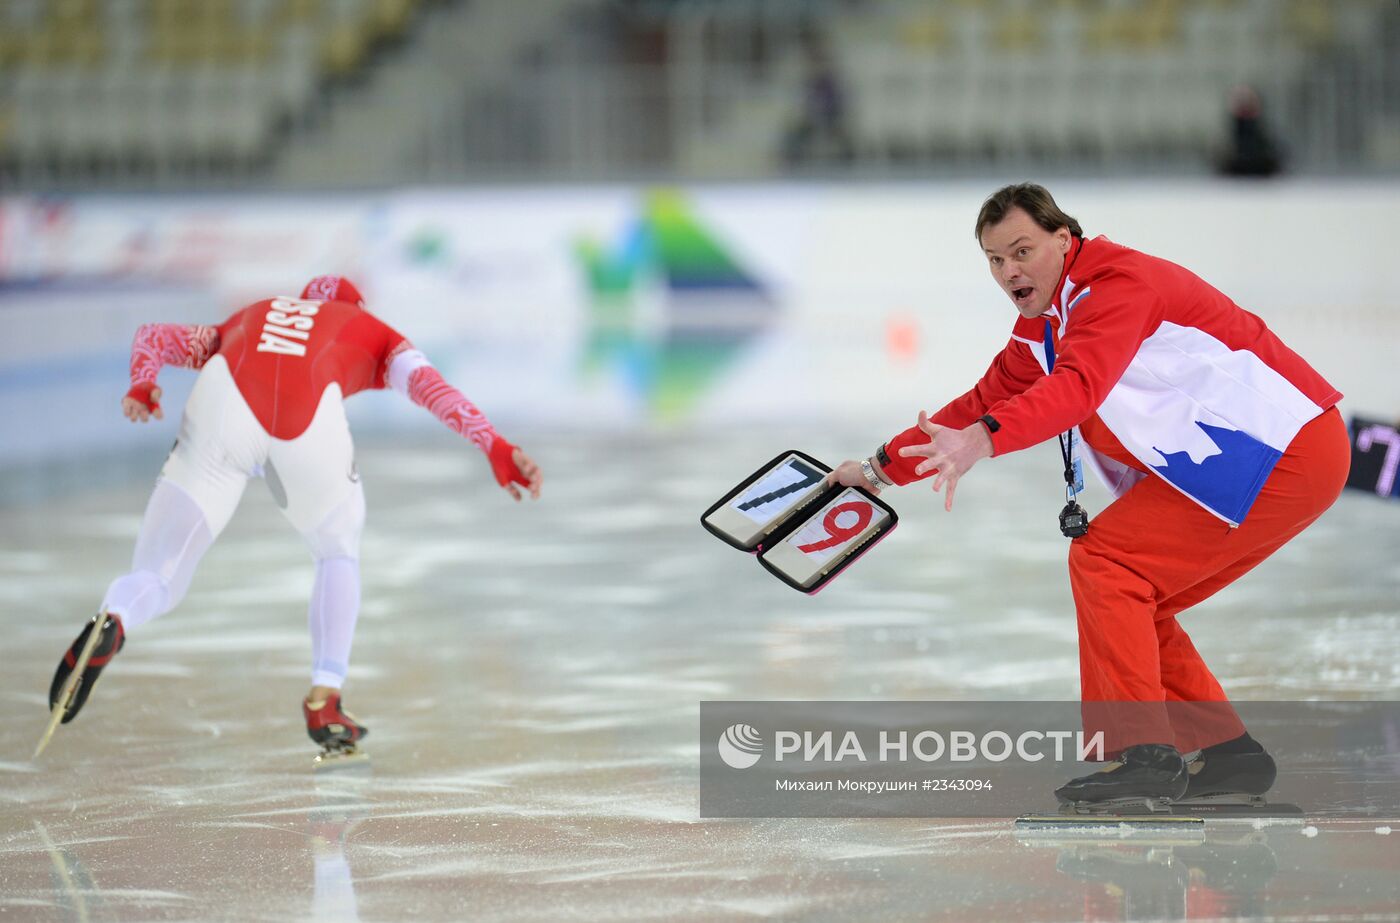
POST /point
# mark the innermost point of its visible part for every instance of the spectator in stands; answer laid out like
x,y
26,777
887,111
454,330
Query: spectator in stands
x,y
1252,150
821,134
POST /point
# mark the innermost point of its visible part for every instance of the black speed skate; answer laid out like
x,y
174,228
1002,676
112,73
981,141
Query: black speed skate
x,y
1245,776
1146,775
112,640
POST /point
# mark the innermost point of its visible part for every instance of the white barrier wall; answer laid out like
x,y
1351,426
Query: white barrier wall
x,y
619,306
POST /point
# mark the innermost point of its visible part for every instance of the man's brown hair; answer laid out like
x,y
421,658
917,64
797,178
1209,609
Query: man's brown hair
x,y
1035,200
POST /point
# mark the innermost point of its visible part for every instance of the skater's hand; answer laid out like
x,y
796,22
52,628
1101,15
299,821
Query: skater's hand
x,y
141,403
952,452
512,466
849,474
531,473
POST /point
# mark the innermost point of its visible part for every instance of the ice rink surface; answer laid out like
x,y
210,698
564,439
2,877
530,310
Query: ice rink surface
x,y
532,676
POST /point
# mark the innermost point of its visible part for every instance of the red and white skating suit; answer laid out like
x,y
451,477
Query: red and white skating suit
x,y
269,402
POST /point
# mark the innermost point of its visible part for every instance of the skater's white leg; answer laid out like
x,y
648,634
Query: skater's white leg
x,y
335,606
335,598
220,445
174,537
314,481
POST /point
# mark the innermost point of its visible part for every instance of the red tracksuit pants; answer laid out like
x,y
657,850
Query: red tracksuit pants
x,y
1154,553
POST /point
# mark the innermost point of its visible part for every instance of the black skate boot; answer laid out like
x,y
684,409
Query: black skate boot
x,y
1224,774
112,640
332,727
1146,774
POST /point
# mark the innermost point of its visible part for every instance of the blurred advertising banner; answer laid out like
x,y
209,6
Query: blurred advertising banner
x,y
659,306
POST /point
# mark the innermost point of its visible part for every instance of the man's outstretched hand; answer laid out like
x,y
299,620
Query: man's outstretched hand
x,y
511,466
950,452
141,403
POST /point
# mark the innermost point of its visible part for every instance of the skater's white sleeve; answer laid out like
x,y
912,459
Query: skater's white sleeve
x,y
402,364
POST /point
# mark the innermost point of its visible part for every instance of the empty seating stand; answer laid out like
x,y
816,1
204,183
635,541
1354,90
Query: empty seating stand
x,y
102,90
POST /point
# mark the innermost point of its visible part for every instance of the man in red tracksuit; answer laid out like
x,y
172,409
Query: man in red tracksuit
x,y
1218,441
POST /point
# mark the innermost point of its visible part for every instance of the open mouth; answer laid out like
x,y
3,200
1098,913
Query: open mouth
x,y
1021,294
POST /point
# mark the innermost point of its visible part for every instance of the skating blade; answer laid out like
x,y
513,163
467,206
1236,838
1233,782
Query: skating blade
x,y
70,686
1110,823
349,758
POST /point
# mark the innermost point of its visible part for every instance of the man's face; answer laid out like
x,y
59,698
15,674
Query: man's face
x,y
1026,260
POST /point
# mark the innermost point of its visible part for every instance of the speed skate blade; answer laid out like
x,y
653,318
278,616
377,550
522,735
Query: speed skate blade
x,y
1118,807
348,758
1236,806
1114,824
70,686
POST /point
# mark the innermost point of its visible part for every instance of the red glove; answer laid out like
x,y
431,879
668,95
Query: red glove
x,y
141,391
503,465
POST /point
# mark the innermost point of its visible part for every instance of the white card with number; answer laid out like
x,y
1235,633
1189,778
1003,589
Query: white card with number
x,y
765,502
833,533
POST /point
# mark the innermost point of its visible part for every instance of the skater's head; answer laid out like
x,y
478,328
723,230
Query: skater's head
x,y
1025,237
333,288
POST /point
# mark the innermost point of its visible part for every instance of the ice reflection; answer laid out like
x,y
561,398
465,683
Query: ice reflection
x,y
75,893
1168,875
342,802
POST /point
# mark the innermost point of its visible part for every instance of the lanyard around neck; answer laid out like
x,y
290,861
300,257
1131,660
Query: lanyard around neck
x,y
1073,522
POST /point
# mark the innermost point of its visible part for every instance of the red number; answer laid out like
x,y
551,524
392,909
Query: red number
x,y
838,533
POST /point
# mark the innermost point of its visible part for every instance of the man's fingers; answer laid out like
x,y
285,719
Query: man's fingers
x,y
932,464
948,499
927,425
513,491
157,412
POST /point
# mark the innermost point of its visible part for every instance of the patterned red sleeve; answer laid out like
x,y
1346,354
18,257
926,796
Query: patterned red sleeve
x,y
426,388
157,345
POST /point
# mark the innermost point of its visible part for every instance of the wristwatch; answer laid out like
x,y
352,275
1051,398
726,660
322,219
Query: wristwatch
x,y
868,470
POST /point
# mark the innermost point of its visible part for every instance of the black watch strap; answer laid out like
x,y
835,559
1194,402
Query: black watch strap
x,y
883,455
990,422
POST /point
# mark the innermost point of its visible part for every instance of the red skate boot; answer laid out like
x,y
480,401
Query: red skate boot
x,y
112,640
335,729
